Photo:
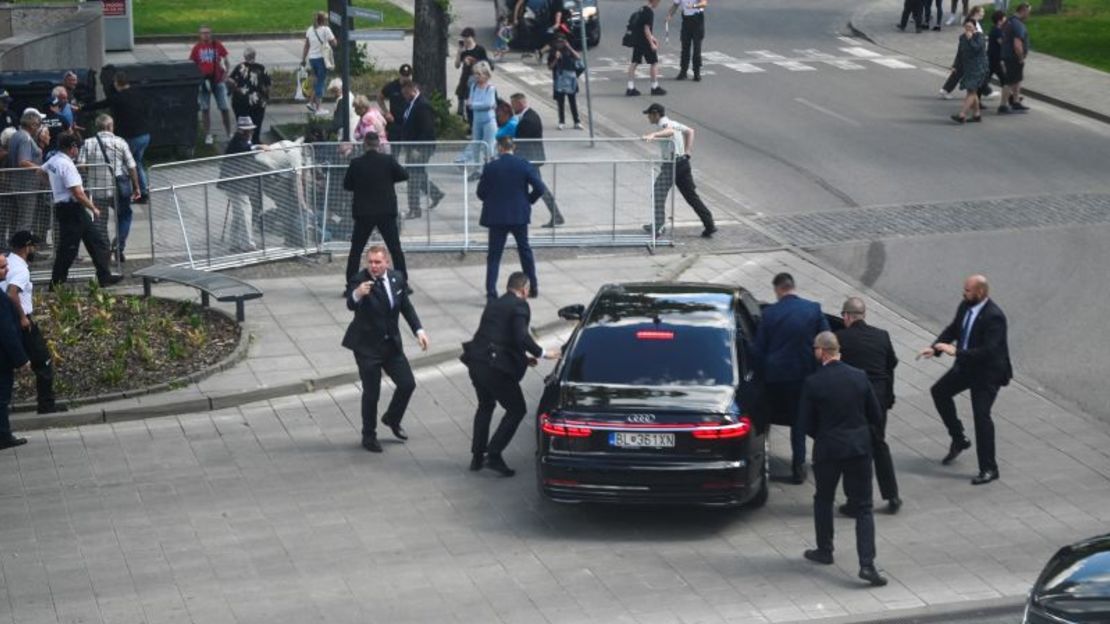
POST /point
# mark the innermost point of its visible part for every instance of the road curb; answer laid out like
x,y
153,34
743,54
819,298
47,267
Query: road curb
x,y
272,36
937,614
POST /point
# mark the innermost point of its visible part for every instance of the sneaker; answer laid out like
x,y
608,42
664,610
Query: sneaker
x,y
1004,110
578,125
321,111
632,92
310,106
209,139
951,20
1018,107
561,126
944,95
658,91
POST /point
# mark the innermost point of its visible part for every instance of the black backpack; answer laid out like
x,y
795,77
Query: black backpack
x,y
630,35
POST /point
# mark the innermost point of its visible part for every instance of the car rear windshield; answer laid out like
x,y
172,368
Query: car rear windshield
x,y
647,340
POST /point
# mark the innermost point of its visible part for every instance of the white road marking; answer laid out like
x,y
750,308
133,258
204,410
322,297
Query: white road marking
x,y
745,68
822,109
766,54
813,53
936,72
840,64
861,52
795,66
892,63
718,57
849,40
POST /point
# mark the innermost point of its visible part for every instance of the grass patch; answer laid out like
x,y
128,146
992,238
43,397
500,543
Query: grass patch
x,y
183,17
1081,33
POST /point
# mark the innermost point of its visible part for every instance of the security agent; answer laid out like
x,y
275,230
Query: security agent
x,y
870,350
371,178
12,358
693,31
378,297
839,410
675,169
20,290
75,213
496,359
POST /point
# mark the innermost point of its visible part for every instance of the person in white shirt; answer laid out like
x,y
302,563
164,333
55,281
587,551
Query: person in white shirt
x,y
675,169
319,44
693,31
75,213
20,290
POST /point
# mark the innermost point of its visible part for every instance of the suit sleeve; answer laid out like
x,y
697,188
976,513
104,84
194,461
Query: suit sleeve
x,y
483,183
400,174
409,313
952,332
523,337
536,182
807,412
994,333
352,305
349,177
10,340
822,322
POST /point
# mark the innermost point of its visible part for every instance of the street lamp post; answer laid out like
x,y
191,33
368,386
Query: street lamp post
x,y
586,68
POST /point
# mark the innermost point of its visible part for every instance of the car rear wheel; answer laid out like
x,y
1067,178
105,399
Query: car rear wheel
x,y
760,498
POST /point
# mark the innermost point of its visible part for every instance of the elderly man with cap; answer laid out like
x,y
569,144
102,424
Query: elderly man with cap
x,y
241,192
20,290
371,178
12,358
675,170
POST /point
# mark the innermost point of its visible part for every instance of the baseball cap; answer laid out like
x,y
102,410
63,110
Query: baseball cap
x,y
32,109
23,238
406,70
655,108
53,102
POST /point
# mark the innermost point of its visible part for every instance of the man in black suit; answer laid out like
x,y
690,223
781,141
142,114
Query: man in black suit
x,y
976,337
496,359
378,297
12,358
418,124
529,129
371,178
870,350
839,411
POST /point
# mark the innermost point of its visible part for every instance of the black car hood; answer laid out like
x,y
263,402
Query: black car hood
x,y
610,398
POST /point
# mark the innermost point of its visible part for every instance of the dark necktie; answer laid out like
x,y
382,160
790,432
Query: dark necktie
x,y
966,331
379,282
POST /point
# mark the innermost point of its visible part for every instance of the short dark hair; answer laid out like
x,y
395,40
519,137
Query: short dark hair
x,y
517,281
997,16
68,140
120,77
783,280
505,143
1024,6
467,32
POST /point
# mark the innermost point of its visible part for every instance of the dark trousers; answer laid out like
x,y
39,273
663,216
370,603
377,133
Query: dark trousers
x,y
364,227
857,485
124,213
681,176
493,387
884,464
392,360
982,398
560,98
419,184
911,8
783,398
498,234
928,10
693,31
548,198
7,381
75,227
39,354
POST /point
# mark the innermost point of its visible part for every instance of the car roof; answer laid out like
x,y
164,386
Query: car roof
x,y
671,287
681,302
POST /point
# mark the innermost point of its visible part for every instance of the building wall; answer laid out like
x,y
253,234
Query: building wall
x,y
44,37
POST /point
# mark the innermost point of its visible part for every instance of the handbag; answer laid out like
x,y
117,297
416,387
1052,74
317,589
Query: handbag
x,y
329,54
566,81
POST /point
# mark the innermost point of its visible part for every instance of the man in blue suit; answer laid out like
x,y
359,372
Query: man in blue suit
x,y
12,358
508,188
784,351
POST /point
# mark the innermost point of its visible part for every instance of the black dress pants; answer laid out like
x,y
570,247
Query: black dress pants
x,y
857,485
493,387
884,464
693,31
34,345
75,226
392,360
983,395
364,227
419,184
681,175
911,8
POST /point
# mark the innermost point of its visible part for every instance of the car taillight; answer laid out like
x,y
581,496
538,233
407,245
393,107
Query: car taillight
x,y
561,429
723,432
654,334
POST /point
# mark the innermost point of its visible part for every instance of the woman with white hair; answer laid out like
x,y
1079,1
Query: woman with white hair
x,y
483,104
370,119
335,90
250,91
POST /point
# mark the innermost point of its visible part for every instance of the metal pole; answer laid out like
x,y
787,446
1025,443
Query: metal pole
x,y
586,65
184,233
324,220
345,62
613,234
552,190
207,229
261,216
150,219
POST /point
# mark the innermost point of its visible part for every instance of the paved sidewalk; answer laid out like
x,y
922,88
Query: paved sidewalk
x,y
1070,85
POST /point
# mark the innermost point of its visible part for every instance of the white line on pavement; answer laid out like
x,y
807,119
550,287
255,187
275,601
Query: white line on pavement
x,y
892,63
822,109
839,64
766,54
936,72
795,66
861,52
745,68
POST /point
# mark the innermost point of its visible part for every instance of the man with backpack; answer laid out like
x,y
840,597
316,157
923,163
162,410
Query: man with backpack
x,y
645,47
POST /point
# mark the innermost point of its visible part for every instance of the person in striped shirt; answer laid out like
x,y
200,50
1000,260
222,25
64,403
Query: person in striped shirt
x,y
106,148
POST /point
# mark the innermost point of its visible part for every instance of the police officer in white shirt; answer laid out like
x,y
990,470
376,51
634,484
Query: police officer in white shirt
x,y
75,213
20,289
693,31
675,170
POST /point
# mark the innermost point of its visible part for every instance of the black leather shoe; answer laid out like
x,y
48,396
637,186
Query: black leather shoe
x,y
52,409
476,461
11,441
413,214
498,465
680,76
798,474
434,199
111,280
709,231
533,293
985,477
697,77
396,428
893,505
871,575
847,510
372,445
819,556
954,450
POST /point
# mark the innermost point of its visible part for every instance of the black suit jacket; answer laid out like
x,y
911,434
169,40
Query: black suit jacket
x,y
530,127
12,355
503,338
420,125
869,349
839,411
986,360
371,178
376,325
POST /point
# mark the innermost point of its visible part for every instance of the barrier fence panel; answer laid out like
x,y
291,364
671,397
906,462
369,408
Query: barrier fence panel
x,y
227,211
26,203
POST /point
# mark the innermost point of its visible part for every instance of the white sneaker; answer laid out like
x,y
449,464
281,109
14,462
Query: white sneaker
x,y
951,20
560,126
310,106
944,95
321,111
578,125
991,95
209,139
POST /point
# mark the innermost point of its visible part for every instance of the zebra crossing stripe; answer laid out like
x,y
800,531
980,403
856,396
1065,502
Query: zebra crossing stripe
x,y
842,64
766,54
892,63
795,66
745,68
861,52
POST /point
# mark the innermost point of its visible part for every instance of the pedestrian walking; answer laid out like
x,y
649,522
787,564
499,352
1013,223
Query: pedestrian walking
x,y
24,152
482,104
508,188
975,70
952,12
418,125
250,84
645,48
106,148
210,57
496,359
784,358
565,64
976,338
128,107
692,34
956,71
12,358
54,123
244,193
912,8
506,121
318,52
393,103
1015,48
994,50
675,170
838,410
20,289
370,119
371,178
469,53
870,350
75,213
529,130
379,297
926,4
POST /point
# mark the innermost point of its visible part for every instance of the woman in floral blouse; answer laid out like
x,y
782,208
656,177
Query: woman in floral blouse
x,y
250,91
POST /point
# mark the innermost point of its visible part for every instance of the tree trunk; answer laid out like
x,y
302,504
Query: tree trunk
x,y
429,45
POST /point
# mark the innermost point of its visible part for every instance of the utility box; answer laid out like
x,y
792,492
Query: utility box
x,y
119,25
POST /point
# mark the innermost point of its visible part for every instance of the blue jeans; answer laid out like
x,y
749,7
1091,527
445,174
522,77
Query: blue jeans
x,y
123,211
320,72
138,147
498,234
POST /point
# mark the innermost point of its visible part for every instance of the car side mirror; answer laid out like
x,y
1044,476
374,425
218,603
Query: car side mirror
x,y
572,312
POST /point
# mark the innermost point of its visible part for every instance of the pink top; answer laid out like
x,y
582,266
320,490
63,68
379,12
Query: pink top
x,y
372,121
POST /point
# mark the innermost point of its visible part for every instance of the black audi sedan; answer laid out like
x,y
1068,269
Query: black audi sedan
x,y
652,401
1074,587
